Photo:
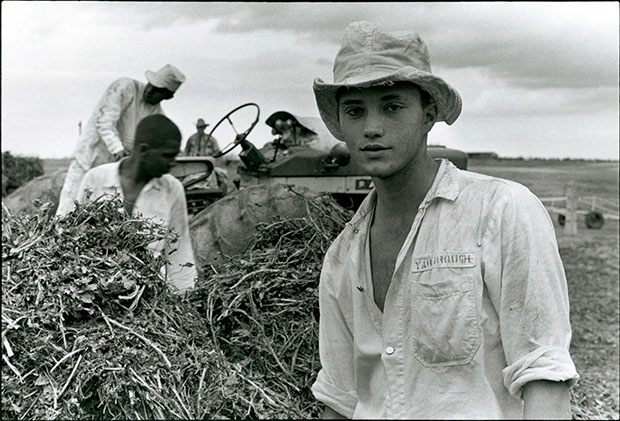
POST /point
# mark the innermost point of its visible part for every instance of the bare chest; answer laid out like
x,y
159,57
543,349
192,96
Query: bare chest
x,y
130,194
385,244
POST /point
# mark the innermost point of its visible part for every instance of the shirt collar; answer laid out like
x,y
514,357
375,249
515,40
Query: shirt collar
x,y
445,186
112,178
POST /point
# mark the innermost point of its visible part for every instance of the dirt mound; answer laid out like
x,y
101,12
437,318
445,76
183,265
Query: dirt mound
x,y
227,227
45,188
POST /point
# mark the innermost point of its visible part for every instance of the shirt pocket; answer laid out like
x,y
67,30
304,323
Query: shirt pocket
x,y
445,322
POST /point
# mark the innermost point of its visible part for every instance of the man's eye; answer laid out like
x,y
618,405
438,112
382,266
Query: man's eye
x,y
354,111
393,107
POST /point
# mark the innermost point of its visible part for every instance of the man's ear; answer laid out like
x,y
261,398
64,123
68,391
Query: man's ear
x,y
141,148
430,115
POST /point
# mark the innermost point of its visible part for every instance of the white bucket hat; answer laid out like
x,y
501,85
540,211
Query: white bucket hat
x,y
168,77
370,57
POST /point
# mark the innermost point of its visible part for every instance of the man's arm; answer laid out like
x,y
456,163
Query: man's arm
x,y
114,101
527,285
335,383
546,400
214,145
189,146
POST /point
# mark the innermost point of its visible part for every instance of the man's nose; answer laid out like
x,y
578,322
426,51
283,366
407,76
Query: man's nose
x,y
374,126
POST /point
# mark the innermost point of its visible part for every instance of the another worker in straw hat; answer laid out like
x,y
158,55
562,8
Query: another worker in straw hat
x,y
445,295
200,143
150,192
108,135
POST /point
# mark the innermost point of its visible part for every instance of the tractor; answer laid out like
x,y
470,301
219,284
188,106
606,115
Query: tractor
x,y
303,155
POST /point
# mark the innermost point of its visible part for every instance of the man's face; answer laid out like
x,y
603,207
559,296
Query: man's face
x,y
159,160
201,129
154,95
385,127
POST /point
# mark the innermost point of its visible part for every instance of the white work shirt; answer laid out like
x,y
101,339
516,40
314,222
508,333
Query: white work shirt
x,y
162,200
112,125
475,310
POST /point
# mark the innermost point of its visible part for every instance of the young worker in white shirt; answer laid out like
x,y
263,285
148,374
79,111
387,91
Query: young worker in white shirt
x,y
445,295
149,191
108,134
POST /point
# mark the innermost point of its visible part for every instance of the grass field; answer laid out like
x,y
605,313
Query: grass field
x,y
591,261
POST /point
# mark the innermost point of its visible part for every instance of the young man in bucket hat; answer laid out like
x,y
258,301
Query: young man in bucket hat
x,y
108,135
445,295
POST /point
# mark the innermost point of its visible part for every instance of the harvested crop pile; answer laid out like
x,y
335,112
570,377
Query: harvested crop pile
x,y
261,310
88,327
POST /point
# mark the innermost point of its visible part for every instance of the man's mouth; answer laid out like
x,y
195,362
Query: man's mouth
x,y
375,147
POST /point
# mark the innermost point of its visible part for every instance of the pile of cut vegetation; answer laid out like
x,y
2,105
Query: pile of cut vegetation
x,y
89,329
261,310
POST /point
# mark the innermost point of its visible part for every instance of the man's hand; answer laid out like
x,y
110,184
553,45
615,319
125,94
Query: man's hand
x,y
121,154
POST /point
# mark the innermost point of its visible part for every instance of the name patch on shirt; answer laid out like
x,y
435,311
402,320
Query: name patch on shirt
x,y
444,260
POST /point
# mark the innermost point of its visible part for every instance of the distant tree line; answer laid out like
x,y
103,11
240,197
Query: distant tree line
x,y
17,170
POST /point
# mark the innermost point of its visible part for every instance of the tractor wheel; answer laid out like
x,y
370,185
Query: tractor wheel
x,y
45,188
227,226
594,220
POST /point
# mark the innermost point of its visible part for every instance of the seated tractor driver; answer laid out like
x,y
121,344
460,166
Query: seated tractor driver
x,y
295,131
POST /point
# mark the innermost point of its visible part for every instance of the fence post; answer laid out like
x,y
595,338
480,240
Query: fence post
x,y
570,225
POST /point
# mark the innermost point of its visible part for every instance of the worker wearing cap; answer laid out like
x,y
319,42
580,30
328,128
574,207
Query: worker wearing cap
x,y
109,133
444,296
200,143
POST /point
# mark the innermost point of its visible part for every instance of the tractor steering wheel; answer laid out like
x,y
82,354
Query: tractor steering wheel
x,y
240,136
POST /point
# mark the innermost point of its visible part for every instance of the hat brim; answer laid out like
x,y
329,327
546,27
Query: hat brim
x,y
445,96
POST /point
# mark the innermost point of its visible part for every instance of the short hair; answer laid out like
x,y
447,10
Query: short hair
x,y
425,97
155,130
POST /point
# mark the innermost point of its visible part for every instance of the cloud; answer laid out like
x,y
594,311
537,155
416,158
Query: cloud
x,y
527,44
515,64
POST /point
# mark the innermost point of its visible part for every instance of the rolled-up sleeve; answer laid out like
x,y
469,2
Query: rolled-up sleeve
x,y
335,383
181,268
531,296
115,99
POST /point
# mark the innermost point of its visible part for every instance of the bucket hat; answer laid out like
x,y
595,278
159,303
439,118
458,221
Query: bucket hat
x,y
168,77
201,123
370,57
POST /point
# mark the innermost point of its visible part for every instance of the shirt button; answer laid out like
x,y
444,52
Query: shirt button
x,y
389,350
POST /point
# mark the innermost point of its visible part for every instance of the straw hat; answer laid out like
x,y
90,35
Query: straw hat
x,y
168,77
369,57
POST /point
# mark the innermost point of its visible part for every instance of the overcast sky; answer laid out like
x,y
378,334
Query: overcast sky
x,y
537,79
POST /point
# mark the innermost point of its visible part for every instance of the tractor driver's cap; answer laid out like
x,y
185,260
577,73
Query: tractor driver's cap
x,y
370,57
168,77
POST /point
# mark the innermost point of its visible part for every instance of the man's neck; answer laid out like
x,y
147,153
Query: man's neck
x,y
133,179
399,196
130,171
